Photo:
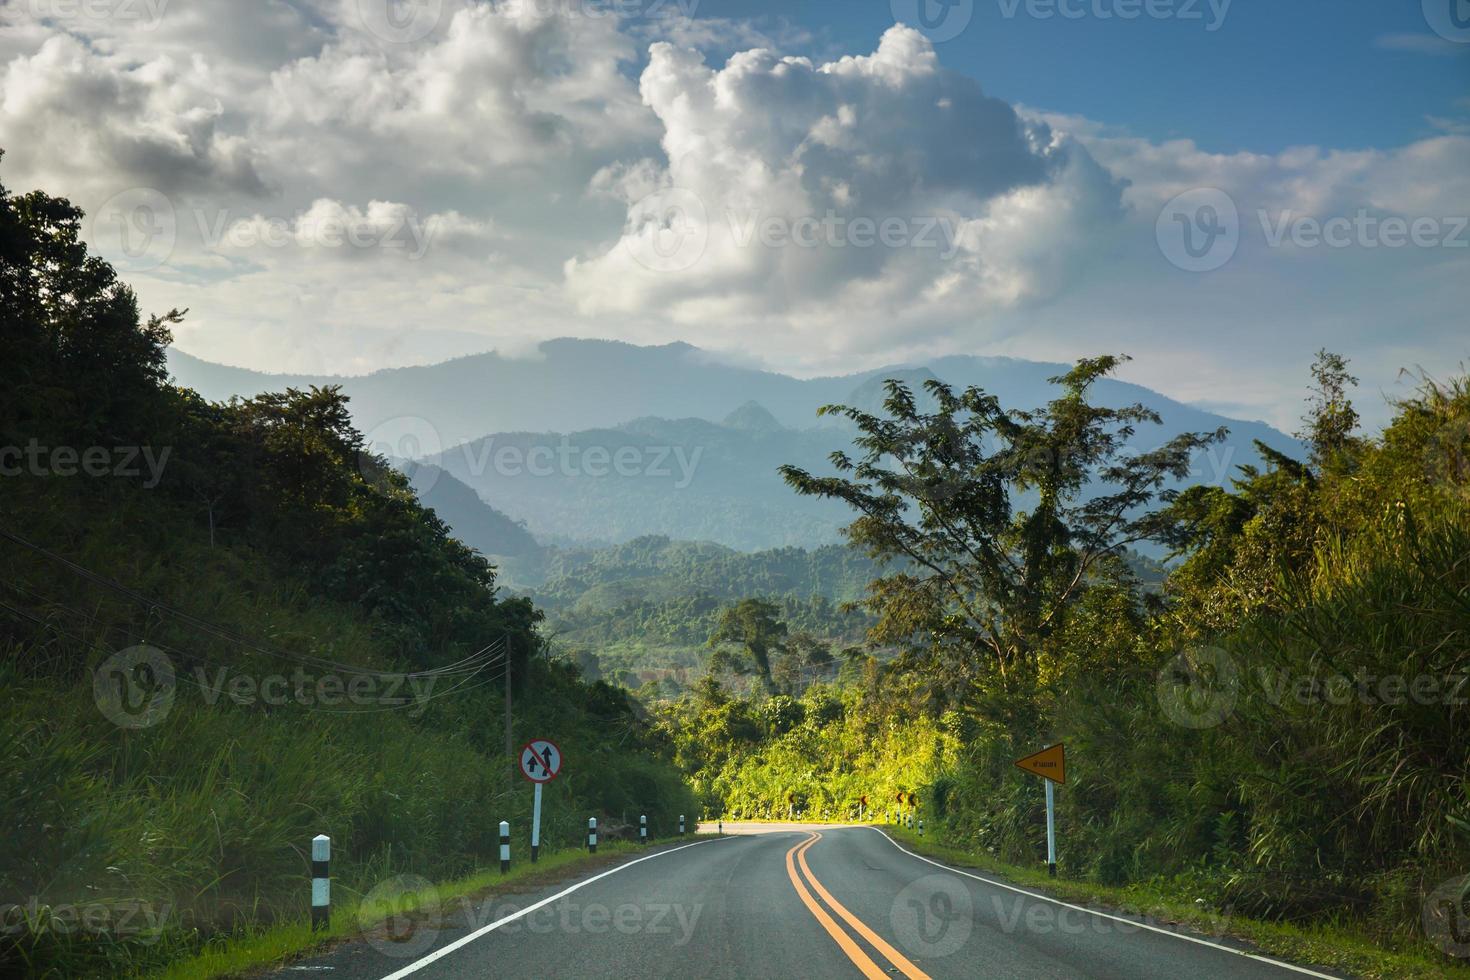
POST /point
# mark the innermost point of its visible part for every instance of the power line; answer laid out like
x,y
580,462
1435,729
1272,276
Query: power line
x,y
222,632
469,665
500,668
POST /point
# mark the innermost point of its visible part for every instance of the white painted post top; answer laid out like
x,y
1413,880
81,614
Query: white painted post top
x,y
505,826
321,848
592,821
643,819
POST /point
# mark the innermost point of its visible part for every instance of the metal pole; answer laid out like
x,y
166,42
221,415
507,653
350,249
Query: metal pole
x,y
536,824
1051,828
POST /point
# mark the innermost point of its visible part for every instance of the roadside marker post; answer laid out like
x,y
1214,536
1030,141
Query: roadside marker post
x,y
643,829
504,846
591,835
540,763
321,882
1051,765
681,825
921,826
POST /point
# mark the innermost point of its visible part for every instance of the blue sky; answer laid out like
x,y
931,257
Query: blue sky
x,y
1275,74
1219,189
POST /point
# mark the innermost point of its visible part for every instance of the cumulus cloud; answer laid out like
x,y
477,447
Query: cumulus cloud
x,y
684,178
71,115
502,86
878,184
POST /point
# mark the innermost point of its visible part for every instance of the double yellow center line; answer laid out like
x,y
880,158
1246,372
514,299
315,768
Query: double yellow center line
x,y
855,952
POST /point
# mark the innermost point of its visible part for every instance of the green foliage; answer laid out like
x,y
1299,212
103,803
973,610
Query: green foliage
x,y
1304,790
270,545
643,612
752,624
986,583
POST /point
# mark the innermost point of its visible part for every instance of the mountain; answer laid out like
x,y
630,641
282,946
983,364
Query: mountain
x,y
752,417
684,478
473,521
575,385
603,442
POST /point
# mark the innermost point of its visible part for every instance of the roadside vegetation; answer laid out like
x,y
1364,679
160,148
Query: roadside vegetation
x,y
332,661
1282,729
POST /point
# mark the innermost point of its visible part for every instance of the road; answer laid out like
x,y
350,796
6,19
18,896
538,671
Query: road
x,y
788,902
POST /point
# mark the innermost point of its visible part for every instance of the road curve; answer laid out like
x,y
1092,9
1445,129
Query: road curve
x,y
786,901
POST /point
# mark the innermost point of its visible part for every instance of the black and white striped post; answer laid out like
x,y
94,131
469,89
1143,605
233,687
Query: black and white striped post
x,y
643,829
921,826
591,835
722,826
321,882
681,825
504,846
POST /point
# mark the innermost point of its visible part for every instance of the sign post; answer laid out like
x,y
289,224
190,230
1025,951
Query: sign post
x,y
540,763
1051,765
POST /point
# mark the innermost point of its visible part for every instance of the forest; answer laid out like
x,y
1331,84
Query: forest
x,y
299,647
1273,716
1280,728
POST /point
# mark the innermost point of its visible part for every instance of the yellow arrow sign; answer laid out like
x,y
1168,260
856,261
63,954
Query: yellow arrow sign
x,y
1049,763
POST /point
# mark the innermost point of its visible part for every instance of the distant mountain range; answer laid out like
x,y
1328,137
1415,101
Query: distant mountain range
x,y
598,441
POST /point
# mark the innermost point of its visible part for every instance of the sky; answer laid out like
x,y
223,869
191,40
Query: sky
x,y
1218,188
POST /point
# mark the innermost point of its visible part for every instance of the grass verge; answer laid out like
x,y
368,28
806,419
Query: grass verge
x,y
257,951
1321,945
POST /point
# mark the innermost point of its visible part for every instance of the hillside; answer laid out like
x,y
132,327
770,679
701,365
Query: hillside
x,y
260,636
684,478
600,443
473,521
573,385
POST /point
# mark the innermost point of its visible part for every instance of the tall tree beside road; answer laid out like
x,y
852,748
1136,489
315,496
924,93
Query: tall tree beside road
x,y
985,508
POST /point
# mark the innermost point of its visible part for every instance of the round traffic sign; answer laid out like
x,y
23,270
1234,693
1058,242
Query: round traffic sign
x,y
540,760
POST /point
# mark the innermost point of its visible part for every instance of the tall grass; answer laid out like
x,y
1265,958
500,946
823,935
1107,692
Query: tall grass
x,y
170,836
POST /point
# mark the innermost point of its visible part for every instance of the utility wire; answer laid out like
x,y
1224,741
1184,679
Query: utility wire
x,y
469,665
216,630
406,703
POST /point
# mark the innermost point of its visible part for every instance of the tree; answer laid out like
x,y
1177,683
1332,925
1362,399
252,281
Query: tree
x,y
802,658
79,366
997,517
755,626
1330,418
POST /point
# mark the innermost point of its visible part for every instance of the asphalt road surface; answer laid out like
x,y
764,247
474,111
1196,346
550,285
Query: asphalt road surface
x,y
786,901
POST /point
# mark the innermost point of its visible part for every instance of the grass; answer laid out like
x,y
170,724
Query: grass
x,y
1327,945
255,952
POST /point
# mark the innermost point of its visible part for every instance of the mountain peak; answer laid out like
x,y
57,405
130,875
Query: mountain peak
x,y
752,417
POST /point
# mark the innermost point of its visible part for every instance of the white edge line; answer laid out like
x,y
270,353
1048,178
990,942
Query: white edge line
x,y
1132,922
443,951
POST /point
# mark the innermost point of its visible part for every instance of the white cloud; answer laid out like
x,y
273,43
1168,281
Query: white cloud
x,y
74,117
876,186
521,140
